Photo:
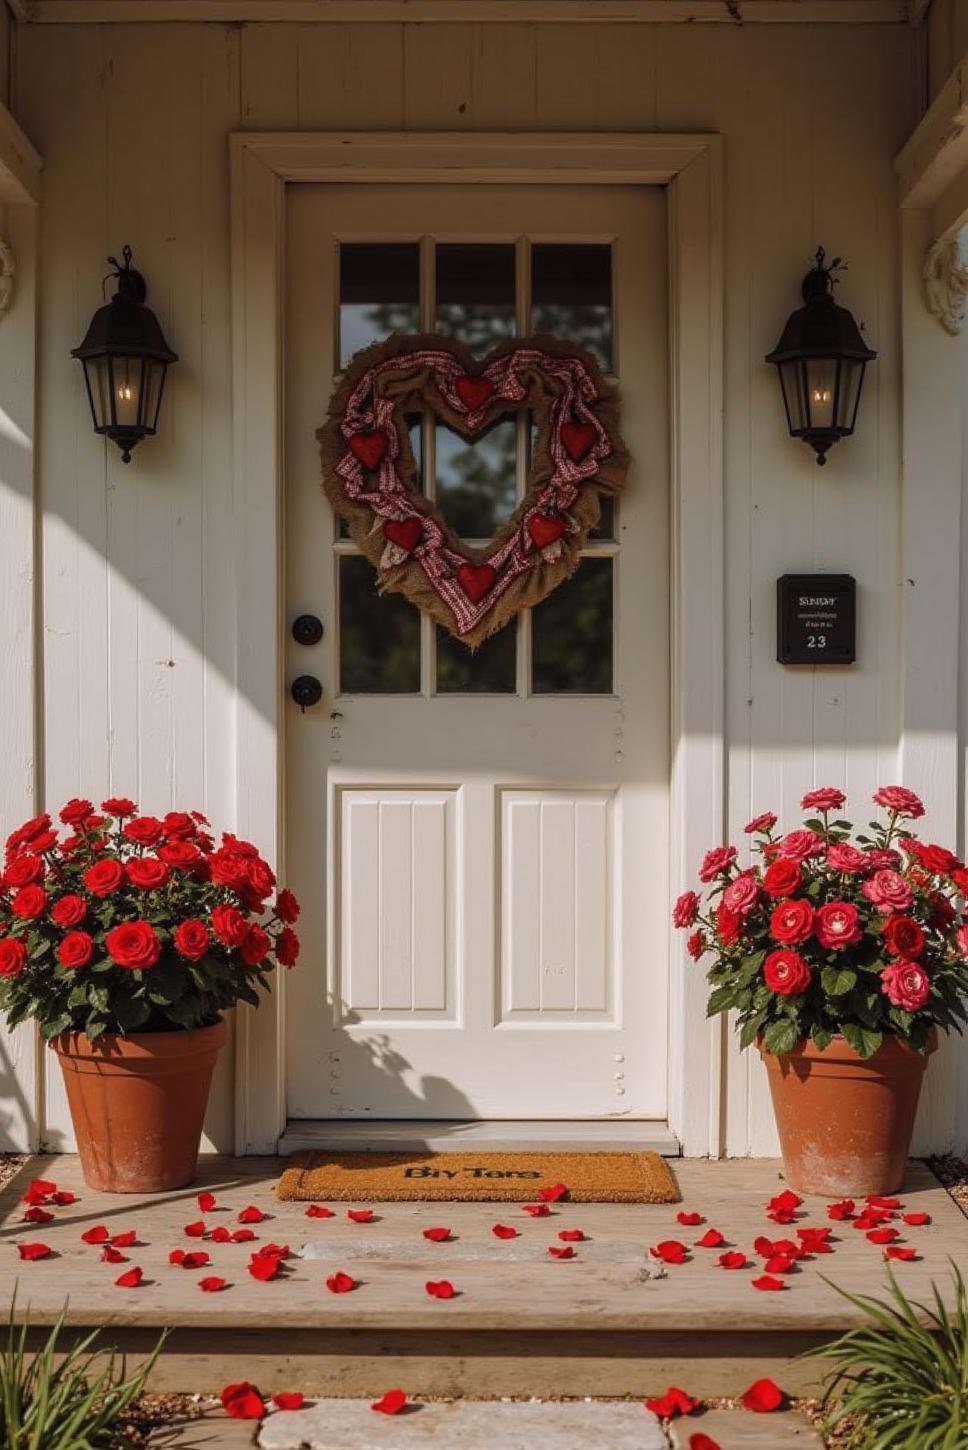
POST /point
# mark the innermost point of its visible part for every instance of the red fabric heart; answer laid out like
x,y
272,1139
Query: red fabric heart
x,y
763,1396
578,438
476,580
391,1403
340,1283
474,392
405,533
369,448
546,528
440,1289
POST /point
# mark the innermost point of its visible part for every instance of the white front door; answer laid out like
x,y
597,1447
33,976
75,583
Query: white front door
x,y
480,842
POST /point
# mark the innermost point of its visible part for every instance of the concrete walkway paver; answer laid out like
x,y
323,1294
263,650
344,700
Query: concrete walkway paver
x,y
746,1430
466,1425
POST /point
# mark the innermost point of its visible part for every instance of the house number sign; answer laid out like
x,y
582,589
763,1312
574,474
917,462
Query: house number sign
x,y
816,619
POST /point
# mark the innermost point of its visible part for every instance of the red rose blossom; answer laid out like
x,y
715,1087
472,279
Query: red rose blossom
x,y
742,893
786,973
119,806
229,868
684,911
801,845
191,940
717,862
827,798
75,811
764,822
782,878
287,947
888,891
179,826
842,856
69,910
261,877
838,925
133,944
729,924
696,945
903,937
792,921
255,946
906,984
229,925
104,876
76,949
900,800
938,860
287,907
144,830
25,870
13,956
181,854
29,902
146,872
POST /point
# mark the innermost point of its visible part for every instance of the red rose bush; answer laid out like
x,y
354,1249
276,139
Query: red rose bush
x,y
829,933
128,923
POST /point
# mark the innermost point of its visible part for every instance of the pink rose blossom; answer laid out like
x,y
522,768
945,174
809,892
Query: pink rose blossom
x,y
900,800
716,862
888,891
880,859
765,822
961,940
906,984
685,909
696,945
838,925
841,856
741,894
827,798
799,845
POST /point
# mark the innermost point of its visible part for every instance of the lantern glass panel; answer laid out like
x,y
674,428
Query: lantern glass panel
x,y
97,375
793,383
822,382
852,375
127,390
154,382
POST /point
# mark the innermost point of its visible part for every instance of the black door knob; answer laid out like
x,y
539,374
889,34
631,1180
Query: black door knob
x,y
306,690
307,629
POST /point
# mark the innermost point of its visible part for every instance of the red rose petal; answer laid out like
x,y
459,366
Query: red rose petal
x,y
317,1210
221,1235
64,1196
768,1283
711,1239
900,1251
206,1202
243,1402
689,1220
264,1267
126,1239
36,1214
96,1235
212,1284
440,1289
784,1202
251,1215
674,1402
670,1251
38,1190
782,1215
277,1251
763,1396
112,1256
556,1253
554,1194
391,1403
129,1280
842,1210
571,1236
196,1260
176,1256
289,1400
340,1283
779,1264
243,1236
537,1210
504,1231
29,1252
917,1220
701,1441
732,1260
883,1235
360,1215
437,1235
874,1200
195,1230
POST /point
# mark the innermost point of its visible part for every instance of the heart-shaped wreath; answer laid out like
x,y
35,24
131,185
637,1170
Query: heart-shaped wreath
x,y
369,470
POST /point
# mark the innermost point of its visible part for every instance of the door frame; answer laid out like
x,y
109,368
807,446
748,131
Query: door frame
x,y
262,165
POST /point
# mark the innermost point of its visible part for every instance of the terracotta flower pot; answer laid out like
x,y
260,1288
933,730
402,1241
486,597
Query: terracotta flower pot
x,y
845,1122
138,1105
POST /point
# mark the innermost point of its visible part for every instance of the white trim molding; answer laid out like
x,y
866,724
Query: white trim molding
x,y
691,167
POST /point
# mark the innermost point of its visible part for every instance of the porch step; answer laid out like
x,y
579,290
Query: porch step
x,y
439,1136
610,1323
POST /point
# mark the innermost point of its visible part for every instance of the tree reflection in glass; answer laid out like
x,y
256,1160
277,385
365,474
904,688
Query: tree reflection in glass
x,y
379,635
571,634
476,481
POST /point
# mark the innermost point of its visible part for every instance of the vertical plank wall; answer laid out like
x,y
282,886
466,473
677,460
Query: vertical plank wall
x,y
138,588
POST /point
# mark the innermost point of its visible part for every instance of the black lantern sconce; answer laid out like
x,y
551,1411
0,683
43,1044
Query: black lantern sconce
x,y
125,359
821,358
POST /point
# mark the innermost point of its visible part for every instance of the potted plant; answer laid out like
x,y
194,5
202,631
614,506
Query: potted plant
x,y
126,937
841,955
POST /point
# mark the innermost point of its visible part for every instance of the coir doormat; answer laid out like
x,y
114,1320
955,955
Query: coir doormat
x,y
477,1177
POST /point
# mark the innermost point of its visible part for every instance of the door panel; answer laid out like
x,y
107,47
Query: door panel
x,y
480,840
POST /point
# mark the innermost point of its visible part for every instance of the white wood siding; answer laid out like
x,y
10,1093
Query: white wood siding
x,y
139,580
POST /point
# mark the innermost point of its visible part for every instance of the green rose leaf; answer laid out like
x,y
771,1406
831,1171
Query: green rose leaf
x,y
836,981
781,1036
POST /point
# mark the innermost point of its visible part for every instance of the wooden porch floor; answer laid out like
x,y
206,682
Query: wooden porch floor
x,y
522,1323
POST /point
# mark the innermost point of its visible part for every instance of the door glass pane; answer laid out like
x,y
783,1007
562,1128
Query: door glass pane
x,y
379,635
477,482
571,634
379,293
571,294
489,670
475,292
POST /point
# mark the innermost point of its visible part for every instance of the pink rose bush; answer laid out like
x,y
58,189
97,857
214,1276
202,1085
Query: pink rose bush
x,y
829,931
132,923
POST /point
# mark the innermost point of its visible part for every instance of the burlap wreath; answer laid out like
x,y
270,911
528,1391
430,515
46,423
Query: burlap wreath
x,y
369,470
